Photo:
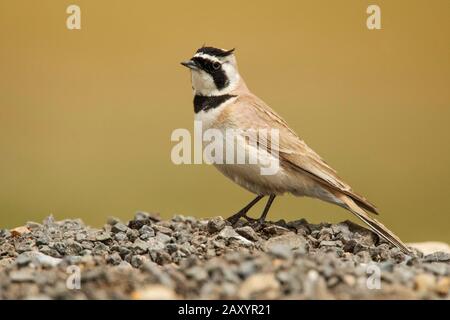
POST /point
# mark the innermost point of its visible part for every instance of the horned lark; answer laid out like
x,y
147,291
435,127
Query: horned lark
x,y
223,101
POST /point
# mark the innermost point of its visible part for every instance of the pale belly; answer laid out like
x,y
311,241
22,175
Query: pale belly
x,y
249,176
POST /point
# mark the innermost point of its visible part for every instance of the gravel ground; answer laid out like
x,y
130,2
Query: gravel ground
x,y
149,258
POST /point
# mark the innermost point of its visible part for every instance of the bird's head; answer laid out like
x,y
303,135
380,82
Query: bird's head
x,y
213,70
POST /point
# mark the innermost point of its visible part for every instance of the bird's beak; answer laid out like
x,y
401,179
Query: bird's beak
x,y
190,64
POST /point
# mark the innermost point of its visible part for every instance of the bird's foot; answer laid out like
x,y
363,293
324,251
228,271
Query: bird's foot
x,y
235,218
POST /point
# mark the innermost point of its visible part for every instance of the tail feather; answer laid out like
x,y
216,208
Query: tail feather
x,y
373,224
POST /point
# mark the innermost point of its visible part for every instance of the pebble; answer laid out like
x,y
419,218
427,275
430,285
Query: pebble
x,y
155,244
215,224
103,236
259,285
229,233
291,240
437,257
119,227
248,233
147,230
140,246
16,232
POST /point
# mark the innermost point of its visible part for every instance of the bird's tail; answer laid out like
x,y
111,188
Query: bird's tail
x,y
376,226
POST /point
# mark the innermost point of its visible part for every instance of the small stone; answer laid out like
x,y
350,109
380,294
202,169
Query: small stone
x,y
162,237
120,236
87,245
229,233
137,261
33,226
23,246
220,244
124,265
155,245
326,243
60,247
215,224
18,231
37,258
160,257
162,229
140,246
141,215
114,259
248,233
246,268
102,236
197,273
23,259
259,286
439,268
437,257
274,230
132,234
119,227
280,250
100,249
430,247
291,240
81,236
49,251
42,240
147,230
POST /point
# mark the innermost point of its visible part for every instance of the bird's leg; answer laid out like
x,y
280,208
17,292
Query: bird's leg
x,y
243,212
261,219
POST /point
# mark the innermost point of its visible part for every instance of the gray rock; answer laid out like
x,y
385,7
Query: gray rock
x,y
119,227
147,231
137,261
114,258
215,224
248,233
197,273
280,250
290,240
132,234
38,258
80,236
162,229
140,246
228,233
275,230
439,268
100,249
331,243
120,236
162,237
102,236
437,257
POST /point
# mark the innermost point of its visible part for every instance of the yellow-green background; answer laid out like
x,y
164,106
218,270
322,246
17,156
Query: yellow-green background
x,y
86,116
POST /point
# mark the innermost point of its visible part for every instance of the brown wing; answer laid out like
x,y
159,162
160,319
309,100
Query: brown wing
x,y
256,114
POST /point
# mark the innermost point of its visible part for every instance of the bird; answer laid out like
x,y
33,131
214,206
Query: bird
x,y
223,101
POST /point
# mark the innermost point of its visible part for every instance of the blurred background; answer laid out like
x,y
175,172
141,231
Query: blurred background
x,y
86,115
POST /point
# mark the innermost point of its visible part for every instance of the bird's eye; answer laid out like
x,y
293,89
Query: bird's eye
x,y
216,66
